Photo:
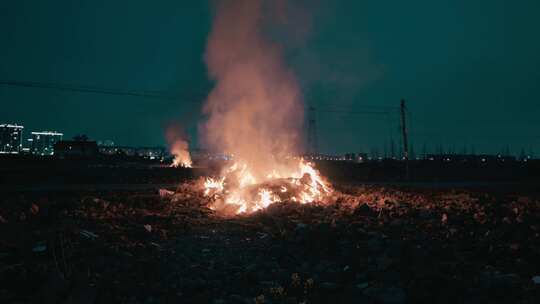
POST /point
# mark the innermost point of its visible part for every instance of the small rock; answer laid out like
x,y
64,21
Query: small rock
x,y
89,235
364,210
268,284
444,219
236,299
375,244
498,281
329,286
386,295
34,209
291,300
148,228
363,277
39,248
397,223
362,285
195,284
394,249
251,267
53,287
164,193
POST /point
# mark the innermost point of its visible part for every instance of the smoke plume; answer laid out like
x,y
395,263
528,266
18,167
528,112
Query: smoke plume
x,y
255,112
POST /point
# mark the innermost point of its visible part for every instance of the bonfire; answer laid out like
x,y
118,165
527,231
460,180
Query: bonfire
x,y
239,191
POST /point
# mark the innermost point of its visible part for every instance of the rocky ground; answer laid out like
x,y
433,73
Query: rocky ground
x,y
370,245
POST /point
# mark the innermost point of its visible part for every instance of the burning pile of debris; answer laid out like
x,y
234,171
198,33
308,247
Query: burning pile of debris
x,y
241,191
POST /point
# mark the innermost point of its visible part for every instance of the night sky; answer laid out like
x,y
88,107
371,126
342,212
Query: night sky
x,y
469,70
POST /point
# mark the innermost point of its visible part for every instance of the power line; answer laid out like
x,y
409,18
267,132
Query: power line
x,y
355,112
357,106
483,122
96,90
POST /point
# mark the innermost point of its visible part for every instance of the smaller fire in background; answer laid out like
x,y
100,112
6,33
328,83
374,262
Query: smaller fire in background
x,y
180,150
179,146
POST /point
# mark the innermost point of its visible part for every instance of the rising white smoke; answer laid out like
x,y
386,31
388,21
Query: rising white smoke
x,y
255,112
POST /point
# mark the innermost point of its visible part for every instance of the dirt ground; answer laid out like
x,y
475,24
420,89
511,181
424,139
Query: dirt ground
x,y
372,244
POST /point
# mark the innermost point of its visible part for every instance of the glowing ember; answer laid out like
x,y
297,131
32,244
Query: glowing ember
x,y
238,191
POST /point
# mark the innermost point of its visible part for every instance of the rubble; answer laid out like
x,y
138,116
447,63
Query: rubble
x,y
368,244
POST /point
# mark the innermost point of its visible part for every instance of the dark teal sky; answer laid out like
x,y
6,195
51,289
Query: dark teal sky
x,y
469,70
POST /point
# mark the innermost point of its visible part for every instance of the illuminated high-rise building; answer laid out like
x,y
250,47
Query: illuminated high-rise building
x,y
10,138
42,143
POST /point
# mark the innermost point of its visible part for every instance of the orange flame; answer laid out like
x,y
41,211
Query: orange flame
x,y
181,154
213,185
239,191
179,146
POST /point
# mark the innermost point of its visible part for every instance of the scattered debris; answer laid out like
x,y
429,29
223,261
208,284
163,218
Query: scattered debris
x,y
89,235
362,285
39,248
367,244
148,228
386,295
34,209
164,193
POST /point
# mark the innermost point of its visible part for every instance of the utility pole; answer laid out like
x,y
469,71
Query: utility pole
x,y
392,149
404,133
312,131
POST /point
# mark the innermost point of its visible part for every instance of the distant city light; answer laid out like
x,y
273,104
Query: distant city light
x,y
42,143
10,138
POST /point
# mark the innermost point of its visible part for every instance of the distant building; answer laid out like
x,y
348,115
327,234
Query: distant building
x,y
480,158
10,138
117,150
75,148
42,143
355,157
198,154
143,152
106,143
151,152
349,157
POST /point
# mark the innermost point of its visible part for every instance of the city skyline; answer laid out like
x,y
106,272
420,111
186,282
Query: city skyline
x,y
390,150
